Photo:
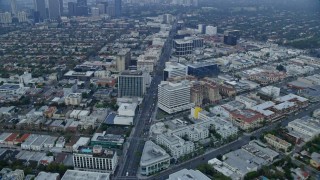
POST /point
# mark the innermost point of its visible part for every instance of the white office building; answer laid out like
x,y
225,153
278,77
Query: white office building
x,y
22,16
5,18
211,30
174,97
153,159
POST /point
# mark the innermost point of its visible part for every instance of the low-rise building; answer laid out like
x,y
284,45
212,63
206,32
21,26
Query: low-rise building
x,y
84,175
276,142
47,176
186,174
305,128
176,145
95,159
38,144
107,140
27,144
247,119
73,99
82,141
127,109
315,160
250,157
153,159
8,174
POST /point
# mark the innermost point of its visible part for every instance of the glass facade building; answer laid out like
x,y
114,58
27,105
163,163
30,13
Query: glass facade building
x,y
202,70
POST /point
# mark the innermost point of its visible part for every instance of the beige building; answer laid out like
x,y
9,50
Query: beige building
x,y
123,60
277,142
204,91
73,99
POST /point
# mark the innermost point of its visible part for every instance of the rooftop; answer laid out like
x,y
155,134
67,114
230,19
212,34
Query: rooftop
x,y
96,151
131,73
47,176
152,153
10,86
84,175
186,174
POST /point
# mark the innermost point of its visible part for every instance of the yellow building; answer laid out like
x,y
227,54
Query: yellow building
x,y
195,112
277,142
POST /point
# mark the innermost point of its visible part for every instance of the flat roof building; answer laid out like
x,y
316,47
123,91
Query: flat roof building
x,y
84,175
153,159
95,159
131,84
174,97
186,174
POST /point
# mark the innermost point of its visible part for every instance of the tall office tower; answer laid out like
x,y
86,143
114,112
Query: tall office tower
x,y
123,59
95,12
14,7
5,18
72,7
131,84
22,16
174,97
61,6
82,8
40,8
54,9
117,8
82,3
110,10
102,8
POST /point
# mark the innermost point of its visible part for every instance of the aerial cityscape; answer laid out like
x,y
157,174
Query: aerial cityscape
x,y
159,89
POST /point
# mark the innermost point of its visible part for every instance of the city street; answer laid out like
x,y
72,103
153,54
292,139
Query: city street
x,y
129,165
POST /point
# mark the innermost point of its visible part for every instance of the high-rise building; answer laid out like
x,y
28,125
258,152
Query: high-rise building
x,y
204,69
211,30
231,37
118,8
82,8
22,16
102,8
40,8
5,18
187,45
95,12
82,3
201,28
72,8
61,6
110,10
174,96
123,59
167,18
131,84
54,9
14,7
